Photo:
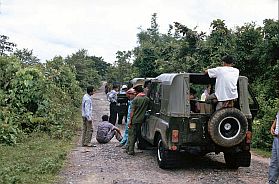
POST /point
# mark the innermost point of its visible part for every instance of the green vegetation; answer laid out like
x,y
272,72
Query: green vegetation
x,y
263,153
37,159
254,48
40,110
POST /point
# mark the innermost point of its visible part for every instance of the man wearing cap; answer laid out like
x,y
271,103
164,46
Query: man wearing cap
x,y
131,94
140,105
226,83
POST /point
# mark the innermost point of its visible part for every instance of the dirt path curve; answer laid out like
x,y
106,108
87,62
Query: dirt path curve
x,y
107,164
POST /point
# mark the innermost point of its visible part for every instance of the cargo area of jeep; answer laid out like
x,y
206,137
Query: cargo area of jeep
x,y
173,127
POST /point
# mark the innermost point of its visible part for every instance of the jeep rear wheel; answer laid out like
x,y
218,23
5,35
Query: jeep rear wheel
x,y
166,158
231,161
237,159
227,127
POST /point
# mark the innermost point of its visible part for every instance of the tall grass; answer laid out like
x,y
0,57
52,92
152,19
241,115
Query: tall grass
x,y
38,158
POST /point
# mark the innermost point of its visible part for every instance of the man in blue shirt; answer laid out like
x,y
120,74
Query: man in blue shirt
x,y
87,107
131,93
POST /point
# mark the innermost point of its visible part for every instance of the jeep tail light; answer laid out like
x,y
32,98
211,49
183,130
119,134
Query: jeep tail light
x,y
174,137
248,137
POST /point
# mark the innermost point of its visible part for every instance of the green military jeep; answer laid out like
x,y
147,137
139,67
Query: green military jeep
x,y
173,127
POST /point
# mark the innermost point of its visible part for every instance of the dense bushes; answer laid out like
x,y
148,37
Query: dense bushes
x,y
37,98
268,109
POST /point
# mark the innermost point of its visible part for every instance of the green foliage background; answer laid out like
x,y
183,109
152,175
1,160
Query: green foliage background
x,y
254,48
42,97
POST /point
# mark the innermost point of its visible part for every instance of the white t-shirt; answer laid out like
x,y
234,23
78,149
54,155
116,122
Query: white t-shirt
x,y
277,124
226,82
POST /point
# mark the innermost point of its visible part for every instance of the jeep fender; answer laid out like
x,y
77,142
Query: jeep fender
x,y
161,129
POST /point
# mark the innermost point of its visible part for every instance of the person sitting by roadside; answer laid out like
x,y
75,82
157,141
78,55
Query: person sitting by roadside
x,y
226,83
106,131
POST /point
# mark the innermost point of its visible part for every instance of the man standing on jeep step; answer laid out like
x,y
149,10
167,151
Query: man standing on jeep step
x,y
139,107
226,83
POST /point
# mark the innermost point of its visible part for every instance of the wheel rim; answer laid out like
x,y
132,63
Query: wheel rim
x,y
229,128
159,150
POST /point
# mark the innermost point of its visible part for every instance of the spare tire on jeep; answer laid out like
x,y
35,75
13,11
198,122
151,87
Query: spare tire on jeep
x,y
227,127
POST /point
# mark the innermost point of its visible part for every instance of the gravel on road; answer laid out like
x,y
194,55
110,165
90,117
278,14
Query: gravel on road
x,y
108,164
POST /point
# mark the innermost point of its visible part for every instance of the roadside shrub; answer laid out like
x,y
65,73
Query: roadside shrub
x,y
9,129
37,99
9,126
261,127
63,76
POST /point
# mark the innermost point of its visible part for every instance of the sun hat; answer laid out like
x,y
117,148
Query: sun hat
x,y
131,91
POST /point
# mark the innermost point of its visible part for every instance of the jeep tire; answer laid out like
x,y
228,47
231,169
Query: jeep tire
x,y
227,127
236,159
166,158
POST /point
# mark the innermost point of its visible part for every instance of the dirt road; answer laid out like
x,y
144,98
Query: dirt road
x,y
108,164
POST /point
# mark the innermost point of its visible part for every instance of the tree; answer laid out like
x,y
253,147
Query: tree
x,y
5,45
85,70
219,42
247,40
26,57
100,65
146,53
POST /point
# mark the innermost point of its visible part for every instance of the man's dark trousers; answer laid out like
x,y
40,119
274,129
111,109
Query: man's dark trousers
x,y
113,113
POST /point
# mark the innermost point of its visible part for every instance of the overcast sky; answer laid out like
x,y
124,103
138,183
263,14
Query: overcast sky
x,y
62,27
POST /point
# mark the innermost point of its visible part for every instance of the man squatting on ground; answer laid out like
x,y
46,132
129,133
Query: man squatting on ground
x,y
87,106
106,131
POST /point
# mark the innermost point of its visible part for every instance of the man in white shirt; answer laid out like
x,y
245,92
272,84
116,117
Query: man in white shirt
x,y
86,109
226,82
274,160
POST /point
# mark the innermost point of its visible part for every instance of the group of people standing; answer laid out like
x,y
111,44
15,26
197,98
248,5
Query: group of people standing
x,y
138,104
